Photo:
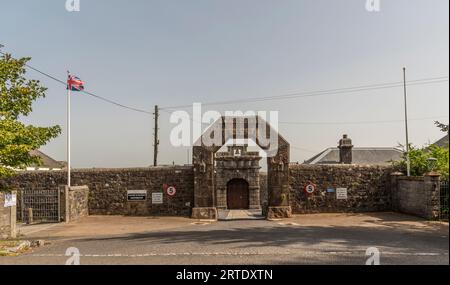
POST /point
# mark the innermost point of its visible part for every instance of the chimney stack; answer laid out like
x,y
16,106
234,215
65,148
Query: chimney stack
x,y
345,150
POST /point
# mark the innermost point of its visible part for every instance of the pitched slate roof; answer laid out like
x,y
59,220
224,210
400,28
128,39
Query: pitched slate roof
x,y
47,161
443,142
362,155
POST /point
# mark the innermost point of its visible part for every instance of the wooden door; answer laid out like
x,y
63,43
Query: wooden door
x,y
237,194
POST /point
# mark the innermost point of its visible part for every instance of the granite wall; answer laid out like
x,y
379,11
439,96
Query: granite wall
x,y
368,188
419,196
108,188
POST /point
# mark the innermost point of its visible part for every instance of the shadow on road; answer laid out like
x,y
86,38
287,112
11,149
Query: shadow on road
x,y
274,235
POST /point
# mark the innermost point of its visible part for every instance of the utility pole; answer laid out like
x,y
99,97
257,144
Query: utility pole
x,y
408,160
156,139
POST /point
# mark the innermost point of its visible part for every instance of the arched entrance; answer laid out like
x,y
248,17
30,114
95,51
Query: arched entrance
x,y
241,127
237,194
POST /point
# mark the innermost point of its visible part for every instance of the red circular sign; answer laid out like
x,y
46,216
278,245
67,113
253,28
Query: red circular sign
x,y
171,190
310,188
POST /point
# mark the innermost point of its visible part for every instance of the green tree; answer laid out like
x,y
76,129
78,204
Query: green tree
x,y
421,163
443,127
17,95
426,159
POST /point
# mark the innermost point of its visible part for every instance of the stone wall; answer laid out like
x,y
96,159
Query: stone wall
x,y
264,193
419,196
108,188
368,188
7,219
74,203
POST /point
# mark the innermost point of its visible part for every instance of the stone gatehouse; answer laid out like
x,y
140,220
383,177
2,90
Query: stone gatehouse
x,y
249,128
237,183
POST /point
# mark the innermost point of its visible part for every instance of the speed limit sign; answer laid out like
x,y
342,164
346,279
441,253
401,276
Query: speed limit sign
x,y
310,188
171,190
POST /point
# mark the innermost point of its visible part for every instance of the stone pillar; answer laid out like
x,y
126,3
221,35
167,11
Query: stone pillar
x,y
433,201
254,197
13,221
73,203
204,202
8,218
278,184
65,203
221,190
393,189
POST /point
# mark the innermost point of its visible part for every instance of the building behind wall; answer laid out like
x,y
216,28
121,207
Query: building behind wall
x,y
346,153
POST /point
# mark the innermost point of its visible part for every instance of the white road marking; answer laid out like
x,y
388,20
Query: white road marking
x,y
200,223
241,254
289,224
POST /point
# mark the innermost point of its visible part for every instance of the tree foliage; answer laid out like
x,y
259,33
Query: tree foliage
x,y
421,163
17,94
443,127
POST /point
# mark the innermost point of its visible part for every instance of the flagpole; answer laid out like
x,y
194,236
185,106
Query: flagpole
x,y
408,158
68,135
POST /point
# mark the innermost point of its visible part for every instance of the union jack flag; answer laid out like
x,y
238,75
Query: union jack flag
x,y
74,83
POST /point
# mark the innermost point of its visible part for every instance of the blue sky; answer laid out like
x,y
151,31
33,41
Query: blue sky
x,y
142,53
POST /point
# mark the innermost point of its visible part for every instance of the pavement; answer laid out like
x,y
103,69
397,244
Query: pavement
x,y
228,215
303,239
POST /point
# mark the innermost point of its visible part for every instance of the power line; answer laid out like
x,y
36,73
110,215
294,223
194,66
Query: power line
x,y
303,149
87,92
304,94
360,122
335,123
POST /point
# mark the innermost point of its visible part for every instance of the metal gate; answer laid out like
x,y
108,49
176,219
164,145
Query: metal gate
x,y
44,205
443,215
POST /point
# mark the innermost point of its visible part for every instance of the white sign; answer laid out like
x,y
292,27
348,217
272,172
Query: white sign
x,y
157,198
341,193
10,200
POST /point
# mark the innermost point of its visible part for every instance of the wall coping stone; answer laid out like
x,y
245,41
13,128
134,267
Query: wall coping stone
x,y
78,188
340,166
78,170
411,178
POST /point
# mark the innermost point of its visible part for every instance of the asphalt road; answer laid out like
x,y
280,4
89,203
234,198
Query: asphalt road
x,y
293,241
